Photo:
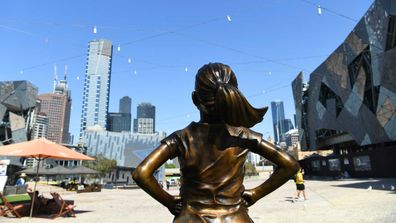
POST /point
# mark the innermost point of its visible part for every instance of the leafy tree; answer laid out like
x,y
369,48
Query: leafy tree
x,y
250,169
170,165
101,164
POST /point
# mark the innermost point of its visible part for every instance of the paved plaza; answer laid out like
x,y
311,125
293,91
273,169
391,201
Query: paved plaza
x,y
352,200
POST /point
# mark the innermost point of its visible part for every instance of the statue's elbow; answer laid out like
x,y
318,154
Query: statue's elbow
x,y
137,174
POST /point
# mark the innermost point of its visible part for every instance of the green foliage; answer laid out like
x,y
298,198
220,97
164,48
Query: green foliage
x,y
101,164
250,169
170,165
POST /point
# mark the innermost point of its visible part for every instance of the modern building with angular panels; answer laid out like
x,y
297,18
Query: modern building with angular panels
x,y
349,104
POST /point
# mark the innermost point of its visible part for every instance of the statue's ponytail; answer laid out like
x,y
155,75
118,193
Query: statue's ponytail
x,y
217,88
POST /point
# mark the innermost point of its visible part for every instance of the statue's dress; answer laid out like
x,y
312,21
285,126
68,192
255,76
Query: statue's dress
x,y
212,158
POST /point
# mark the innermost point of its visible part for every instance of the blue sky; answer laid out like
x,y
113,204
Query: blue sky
x,y
267,43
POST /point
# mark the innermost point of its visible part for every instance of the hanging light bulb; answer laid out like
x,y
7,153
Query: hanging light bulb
x,y
21,72
78,77
95,30
229,18
319,10
135,72
129,60
186,69
119,48
269,73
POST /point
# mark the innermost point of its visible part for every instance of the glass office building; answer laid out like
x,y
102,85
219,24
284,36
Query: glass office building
x,y
97,84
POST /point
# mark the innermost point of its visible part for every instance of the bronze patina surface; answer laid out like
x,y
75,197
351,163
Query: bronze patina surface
x,y
212,153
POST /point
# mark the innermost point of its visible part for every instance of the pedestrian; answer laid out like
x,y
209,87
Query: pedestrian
x,y
167,185
212,154
299,179
21,180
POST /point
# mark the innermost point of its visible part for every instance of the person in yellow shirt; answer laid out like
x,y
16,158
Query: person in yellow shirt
x,y
300,185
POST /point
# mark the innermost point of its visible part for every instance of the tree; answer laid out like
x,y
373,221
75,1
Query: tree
x,y
170,165
101,164
250,169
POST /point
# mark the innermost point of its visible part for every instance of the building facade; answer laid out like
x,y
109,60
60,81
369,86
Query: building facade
x,y
145,119
349,105
125,105
120,121
57,107
97,84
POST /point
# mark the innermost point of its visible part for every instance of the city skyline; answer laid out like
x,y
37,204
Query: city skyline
x,y
157,52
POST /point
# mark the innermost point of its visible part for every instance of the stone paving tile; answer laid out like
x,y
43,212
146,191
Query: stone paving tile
x,y
328,201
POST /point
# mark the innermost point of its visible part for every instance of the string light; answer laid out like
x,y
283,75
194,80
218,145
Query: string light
x,y
186,69
229,18
269,73
319,10
129,60
119,48
95,30
135,72
21,72
78,77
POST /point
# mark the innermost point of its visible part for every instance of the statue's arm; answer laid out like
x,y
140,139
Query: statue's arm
x,y
287,166
143,176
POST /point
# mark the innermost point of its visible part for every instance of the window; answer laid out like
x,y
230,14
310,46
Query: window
x,y
326,93
391,35
362,163
334,165
315,165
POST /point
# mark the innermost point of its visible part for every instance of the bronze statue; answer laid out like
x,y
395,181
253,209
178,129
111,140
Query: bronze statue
x,y
212,154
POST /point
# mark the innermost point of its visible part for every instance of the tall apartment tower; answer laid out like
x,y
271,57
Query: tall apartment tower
x,y
120,121
97,84
145,119
278,115
57,107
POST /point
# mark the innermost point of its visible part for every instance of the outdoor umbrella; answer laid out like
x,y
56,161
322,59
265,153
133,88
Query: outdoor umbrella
x,y
41,149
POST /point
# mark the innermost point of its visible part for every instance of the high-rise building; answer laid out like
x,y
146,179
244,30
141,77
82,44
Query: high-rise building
x,y
120,121
278,115
40,126
97,84
125,105
145,119
39,130
57,106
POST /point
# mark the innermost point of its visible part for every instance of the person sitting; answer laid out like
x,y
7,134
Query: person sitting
x,y
21,180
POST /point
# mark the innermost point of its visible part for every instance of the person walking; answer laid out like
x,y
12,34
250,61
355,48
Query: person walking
x,y
300,185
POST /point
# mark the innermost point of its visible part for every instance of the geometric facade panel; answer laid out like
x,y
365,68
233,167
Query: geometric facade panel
x,y
357,82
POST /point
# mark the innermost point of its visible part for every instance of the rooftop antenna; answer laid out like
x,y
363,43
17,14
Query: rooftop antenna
x,y
65,75
55,76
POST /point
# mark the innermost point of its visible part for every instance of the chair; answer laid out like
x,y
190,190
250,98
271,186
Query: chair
x,y
7,207
64,207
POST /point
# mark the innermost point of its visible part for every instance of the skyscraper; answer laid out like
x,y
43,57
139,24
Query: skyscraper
x,y
120,121
97,84
125,105
278,115
57,107
145,119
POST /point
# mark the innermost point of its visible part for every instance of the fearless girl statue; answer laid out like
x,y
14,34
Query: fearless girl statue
x,y
212,154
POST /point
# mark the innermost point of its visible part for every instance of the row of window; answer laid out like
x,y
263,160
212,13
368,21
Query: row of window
x,y
360,163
